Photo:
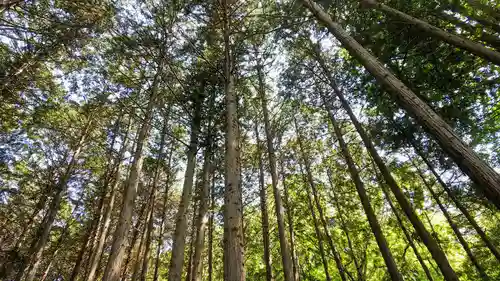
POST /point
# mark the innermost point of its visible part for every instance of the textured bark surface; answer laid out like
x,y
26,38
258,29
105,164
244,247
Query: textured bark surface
x,y
181,224
113,267
468,161
263,211
431,244
291,231
365,201
233,209
280,211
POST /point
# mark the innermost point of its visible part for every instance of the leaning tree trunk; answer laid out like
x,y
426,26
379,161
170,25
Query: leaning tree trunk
x,y
454,227
36,249
316,227
487,241
163,215
291,230
285,252
113,267
450,38
263,210
343,225
201,222
181,225
336,255
485,176
431,244
233,207
365,201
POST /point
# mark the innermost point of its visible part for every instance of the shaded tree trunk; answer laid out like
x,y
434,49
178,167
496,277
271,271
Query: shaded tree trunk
x,y
36,249
285,252
291,231
113,267
430,243
470,163
365,201
333,249
181,225
211,230
454,227
450,38
263,210
343,225
233,207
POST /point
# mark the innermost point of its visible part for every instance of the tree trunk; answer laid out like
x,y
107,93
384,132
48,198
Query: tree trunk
x,y
454,227
189,264
429,242
36,249
316,227
470,163
450,38
201,223
343,225
233,207
285,252
139,252
163,215
181,225
85,244
106,218
365,201
333,249
211,230
263,210
457,203
288,209
113,267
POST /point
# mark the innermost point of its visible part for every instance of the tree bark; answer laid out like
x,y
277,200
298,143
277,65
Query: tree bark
x,y
450,38
333,249
202,219
316,227
263,210
181,225
430,243
295,260
454,227
139,252
493,249
471,164
36,249
365,201
343,225
113,267
233,209
211,230
285,252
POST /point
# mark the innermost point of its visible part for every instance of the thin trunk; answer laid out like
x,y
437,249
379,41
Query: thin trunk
x,y
201,222
430,243
454,227
233,207
139,252
189,264
365,201
343,225
457,203
333,249
285,252
316,227
85,244
181,225
211,230
136,237
471,164
263,210
288,208
106,218
163,215
450,38
113,267
36,250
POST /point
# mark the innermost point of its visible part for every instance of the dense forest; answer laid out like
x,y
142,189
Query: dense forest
x,y
293,140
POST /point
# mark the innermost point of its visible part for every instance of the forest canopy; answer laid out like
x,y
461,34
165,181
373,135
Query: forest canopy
x,y
294,140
